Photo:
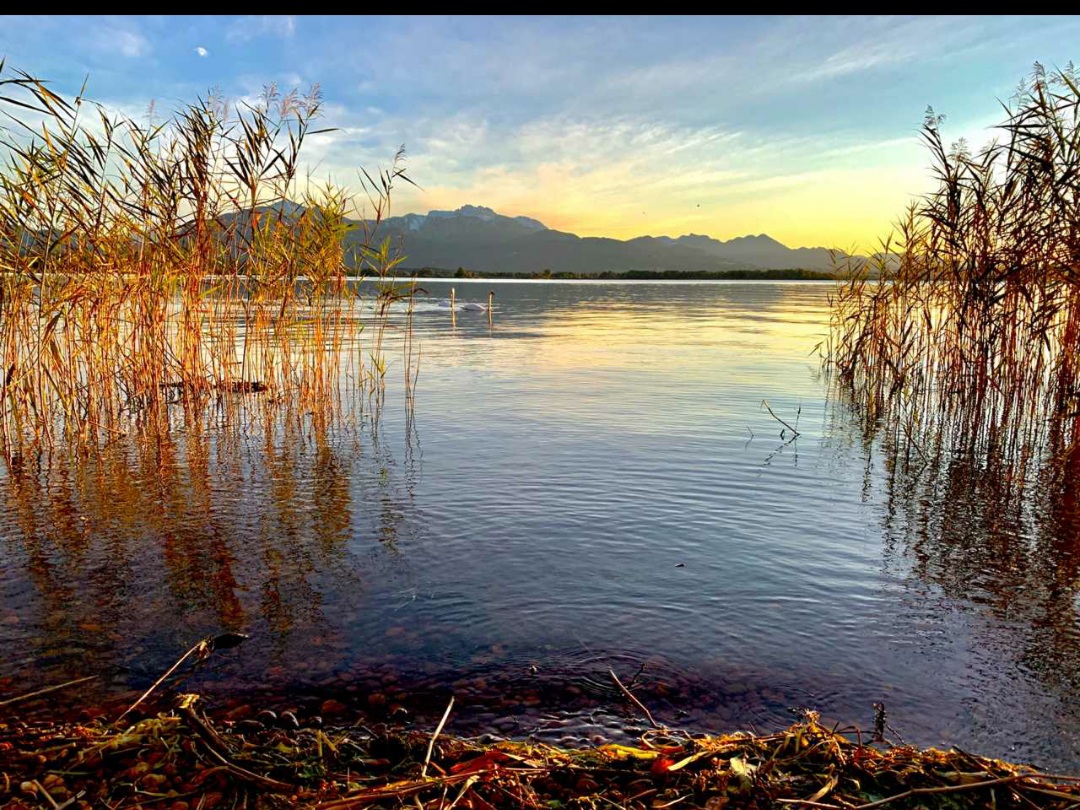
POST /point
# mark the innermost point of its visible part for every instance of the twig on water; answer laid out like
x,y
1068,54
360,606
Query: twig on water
x,y
765,404
202,650
630,696
633,681
431,743
880,719
46,690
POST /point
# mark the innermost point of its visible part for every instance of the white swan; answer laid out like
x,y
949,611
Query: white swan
x,y
472,306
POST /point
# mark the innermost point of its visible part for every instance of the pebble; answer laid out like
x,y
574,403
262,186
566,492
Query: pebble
x,y
333,708
288,720
586,784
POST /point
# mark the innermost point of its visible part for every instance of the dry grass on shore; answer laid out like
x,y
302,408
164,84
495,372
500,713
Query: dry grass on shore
x,y
180,759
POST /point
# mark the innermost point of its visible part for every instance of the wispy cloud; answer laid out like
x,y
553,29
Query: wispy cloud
x,y
859,45
121,37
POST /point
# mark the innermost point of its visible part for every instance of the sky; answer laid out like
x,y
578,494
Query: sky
x,y
805,128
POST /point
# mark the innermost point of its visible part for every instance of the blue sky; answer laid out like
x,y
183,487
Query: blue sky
x,y
803,128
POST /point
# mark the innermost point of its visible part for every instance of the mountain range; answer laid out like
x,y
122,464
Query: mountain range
x,y
479,239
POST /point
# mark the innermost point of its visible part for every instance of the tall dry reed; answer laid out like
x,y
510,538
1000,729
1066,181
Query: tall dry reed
x,y
144,265
963,336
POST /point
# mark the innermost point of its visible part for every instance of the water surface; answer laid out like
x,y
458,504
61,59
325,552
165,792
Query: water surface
x,y
587,481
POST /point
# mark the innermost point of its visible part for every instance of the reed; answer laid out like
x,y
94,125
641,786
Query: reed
x,y
145,266
963,336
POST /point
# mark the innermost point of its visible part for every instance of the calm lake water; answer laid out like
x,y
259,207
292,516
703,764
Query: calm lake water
x,y
589,482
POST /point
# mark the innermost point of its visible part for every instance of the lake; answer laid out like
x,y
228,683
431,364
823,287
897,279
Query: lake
x,y
588,481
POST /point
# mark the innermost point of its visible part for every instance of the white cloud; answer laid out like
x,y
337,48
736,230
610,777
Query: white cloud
x,y
247,28
202,52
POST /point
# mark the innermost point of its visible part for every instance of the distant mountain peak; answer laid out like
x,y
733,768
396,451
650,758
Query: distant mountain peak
x,y
480,212
761,237
286,208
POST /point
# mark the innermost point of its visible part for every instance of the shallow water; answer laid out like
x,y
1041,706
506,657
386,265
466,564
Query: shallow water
x,y
588,481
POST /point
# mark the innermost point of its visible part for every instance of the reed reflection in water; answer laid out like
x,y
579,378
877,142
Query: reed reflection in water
x,y
172,534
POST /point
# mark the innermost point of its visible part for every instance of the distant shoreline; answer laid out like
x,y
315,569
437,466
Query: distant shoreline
x,y
461,274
